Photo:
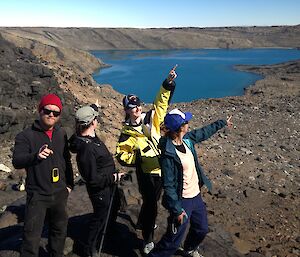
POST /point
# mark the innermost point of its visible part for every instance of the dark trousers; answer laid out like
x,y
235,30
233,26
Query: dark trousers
x,y
37,206
100,202
197,216
150,187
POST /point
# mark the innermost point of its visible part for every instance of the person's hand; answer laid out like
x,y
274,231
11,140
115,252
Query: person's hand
x,y
44,152
69,190
229,122
172,74
136,148
182,217
118,176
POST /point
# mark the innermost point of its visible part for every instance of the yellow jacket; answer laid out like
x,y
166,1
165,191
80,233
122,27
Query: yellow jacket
x,y
138,145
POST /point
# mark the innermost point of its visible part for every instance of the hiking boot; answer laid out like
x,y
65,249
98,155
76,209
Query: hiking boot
x,y
148,247
180,251
139,226
193,253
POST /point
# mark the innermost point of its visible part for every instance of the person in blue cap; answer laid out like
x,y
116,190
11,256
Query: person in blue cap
x,y
183,178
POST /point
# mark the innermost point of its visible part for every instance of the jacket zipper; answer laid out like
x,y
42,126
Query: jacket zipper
x,y
149,141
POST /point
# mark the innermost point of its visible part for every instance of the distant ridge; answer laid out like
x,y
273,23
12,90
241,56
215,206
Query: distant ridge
x,y
162,38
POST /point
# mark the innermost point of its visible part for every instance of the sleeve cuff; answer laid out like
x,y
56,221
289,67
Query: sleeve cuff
x,y
169,86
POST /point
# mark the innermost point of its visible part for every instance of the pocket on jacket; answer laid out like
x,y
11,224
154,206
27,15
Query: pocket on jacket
x,y
146,149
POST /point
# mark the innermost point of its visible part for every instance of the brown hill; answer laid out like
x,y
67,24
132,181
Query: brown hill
x,y
162,38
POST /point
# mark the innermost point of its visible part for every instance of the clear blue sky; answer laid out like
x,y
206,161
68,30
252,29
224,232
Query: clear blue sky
x,y
151,13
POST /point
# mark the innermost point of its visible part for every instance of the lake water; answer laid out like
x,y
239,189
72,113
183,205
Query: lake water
x,y
202,73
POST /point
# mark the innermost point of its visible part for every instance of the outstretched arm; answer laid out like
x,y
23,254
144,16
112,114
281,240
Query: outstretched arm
x,y
206,132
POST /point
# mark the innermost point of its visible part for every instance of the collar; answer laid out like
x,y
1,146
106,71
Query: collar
x,y
170,149
37,126
135,125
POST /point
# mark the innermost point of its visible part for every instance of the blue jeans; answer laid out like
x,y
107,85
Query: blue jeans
x,y
197,216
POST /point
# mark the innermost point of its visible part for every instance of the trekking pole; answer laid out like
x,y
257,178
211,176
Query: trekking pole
x,y
107,219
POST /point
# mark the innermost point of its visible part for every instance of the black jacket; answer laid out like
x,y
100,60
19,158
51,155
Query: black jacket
x,y
39,172
95,162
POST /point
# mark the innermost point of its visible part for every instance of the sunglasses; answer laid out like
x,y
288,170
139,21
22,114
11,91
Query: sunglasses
x,y
131,108
47,112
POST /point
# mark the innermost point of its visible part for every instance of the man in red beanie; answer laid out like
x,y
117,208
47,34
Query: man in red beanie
x,y
50,99
42,150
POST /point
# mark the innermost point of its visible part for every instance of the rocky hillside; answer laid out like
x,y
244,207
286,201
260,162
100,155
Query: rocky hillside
x,y
254,167
161,38
23,79
32,68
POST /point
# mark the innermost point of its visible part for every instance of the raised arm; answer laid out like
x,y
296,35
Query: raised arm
x,y
163,99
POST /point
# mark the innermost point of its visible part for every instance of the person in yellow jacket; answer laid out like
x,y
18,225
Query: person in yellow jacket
x,y
138,147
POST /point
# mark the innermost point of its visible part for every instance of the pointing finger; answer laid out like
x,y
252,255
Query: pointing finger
x,y
174,68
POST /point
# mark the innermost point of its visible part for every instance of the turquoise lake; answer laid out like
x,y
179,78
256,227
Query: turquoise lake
x,y
202,73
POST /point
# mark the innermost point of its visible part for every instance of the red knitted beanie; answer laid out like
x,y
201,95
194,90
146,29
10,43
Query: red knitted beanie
x,y
50,99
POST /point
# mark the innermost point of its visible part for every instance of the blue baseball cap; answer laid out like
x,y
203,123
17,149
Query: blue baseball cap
x,y
175,118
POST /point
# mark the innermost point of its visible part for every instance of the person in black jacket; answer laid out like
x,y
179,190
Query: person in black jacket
x,y
97,168
42,150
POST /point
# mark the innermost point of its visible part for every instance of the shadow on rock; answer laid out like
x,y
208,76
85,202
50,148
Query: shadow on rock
x,y
119,240
11,238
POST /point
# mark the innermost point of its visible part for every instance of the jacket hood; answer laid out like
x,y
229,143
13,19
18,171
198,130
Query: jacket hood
x,y
75,143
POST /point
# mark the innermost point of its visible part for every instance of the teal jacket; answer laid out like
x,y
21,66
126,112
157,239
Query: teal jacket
x,y
171,167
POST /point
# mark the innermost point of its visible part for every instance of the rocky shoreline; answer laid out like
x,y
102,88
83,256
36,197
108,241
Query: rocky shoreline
x,y
254,167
